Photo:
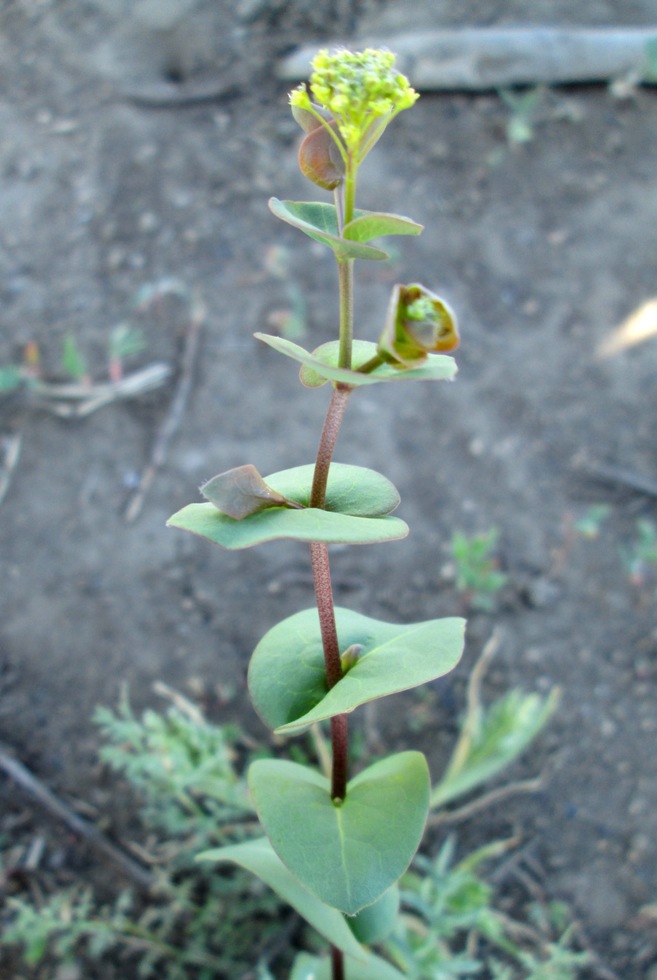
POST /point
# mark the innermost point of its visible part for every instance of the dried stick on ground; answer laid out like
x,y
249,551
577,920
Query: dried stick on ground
x,y
79,400
620,477
472,59
28,782
174,415
10,448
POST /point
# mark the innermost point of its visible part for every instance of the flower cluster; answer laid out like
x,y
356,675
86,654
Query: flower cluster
x,y
361,91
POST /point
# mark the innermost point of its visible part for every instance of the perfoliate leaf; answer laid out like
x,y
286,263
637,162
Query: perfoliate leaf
x,y
287,680
349,854
320,222
354,490
258,857
320,366
375,224
308,524
357,504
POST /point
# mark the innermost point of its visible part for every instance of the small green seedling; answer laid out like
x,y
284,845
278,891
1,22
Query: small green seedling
x,y
523,106
590,524
478,576
641,556
125,341
73,360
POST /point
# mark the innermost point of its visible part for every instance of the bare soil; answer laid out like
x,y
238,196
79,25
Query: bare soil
x,y
114,181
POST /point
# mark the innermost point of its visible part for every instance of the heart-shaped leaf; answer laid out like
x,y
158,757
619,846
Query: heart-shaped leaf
x,y
374,224
320,222
258,857
349,854
287,681
320,366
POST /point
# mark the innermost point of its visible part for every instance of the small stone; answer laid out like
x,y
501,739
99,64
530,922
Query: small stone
x,y
542,593
247,11
607,728
148,222
68,972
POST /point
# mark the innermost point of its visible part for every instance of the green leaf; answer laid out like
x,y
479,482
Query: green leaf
x,y
73,360
374,224
11,377
319,221
258,857
307,967
286,675
358,502
320,366
353,490
309,524
373,923
349,854
499,734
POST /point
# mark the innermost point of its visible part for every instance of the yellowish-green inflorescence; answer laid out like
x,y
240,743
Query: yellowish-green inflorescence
x,y
362,91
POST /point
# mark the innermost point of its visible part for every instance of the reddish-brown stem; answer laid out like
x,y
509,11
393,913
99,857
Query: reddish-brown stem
x,y
327,441
340,746
324,599
337,963
323,590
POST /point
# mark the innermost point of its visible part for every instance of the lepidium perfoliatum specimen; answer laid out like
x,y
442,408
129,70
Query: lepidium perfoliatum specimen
x,y
336,843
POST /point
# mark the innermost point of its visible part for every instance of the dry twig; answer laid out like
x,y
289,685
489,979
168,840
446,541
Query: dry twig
x,y
29,783
618,476
79,400
483,58
488,799
174,415
11,449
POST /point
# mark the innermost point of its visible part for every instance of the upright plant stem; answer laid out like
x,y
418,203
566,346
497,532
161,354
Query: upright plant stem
x,y
319,551
337,963
346,270
323,591
328,438
346,281
324,599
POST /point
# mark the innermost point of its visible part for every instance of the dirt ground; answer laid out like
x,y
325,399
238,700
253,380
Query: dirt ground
x,y
544,249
